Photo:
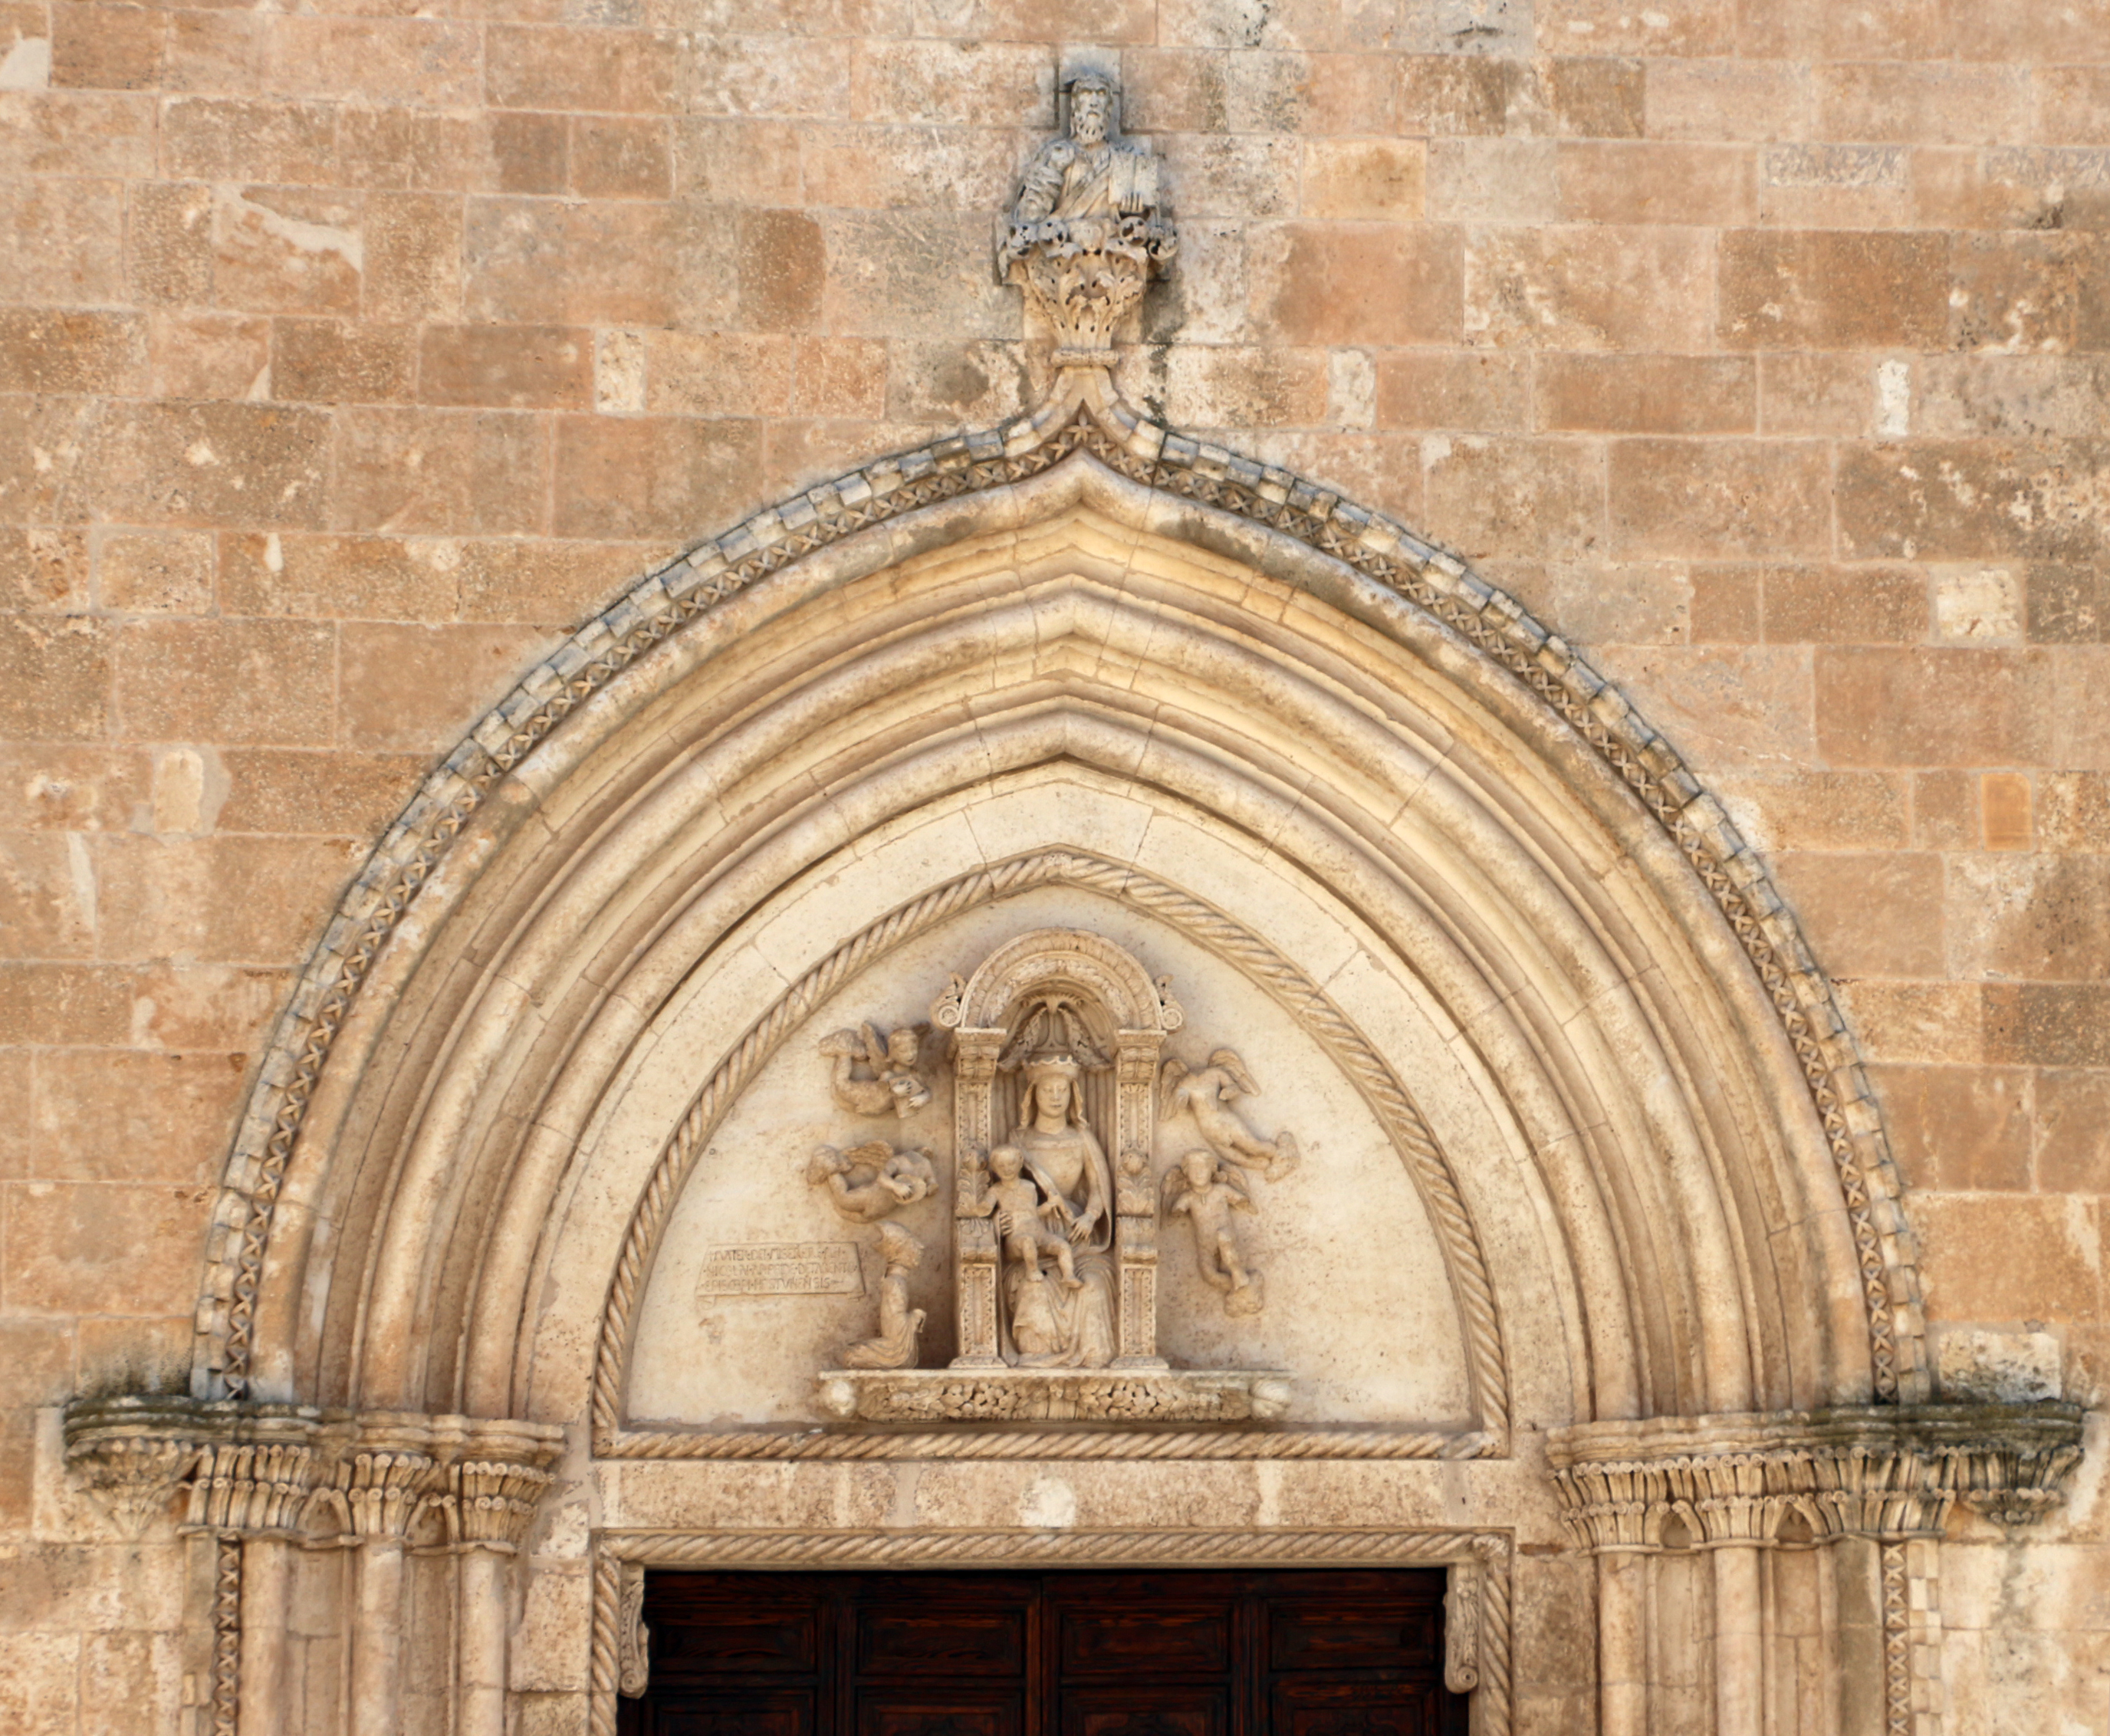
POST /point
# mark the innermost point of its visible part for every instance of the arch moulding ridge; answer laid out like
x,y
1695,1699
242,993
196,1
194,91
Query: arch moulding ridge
x,y
908,492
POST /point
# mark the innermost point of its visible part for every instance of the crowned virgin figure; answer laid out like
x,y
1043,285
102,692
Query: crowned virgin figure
x,y
1053,1324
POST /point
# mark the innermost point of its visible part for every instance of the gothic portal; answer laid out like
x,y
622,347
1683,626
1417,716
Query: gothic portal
x,y
1067,1000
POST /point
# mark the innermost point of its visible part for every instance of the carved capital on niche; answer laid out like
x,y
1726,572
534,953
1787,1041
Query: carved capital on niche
x,y
1795,1479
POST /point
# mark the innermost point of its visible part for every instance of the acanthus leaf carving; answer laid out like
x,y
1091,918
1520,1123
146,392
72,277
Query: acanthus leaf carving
x,y
131,1455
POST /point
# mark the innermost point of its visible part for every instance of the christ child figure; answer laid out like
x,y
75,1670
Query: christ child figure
x,y
1017,1207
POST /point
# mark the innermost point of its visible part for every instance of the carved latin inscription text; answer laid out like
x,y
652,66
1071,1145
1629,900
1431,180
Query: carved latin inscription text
x,y
782,1269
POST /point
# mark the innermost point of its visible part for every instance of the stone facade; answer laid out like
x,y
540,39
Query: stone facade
x,y
354,368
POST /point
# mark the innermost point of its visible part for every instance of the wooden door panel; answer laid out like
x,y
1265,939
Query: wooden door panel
x,y
903,1711
736,1714
968,1643
1305,1634
1319,1708
739,1641
1155,1653
1122,1642
1145,1711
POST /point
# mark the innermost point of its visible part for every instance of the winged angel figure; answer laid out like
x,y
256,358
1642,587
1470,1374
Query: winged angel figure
x,y
894,1085
1207,1095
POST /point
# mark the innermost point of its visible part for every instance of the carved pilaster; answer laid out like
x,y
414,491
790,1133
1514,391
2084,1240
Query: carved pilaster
x,y
494,1488
1135,1230
974,1237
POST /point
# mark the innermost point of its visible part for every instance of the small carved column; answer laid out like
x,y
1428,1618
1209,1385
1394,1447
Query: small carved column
x,y
246,1498
974,1250
1655,1489
386,1481
1135,1236
494,1488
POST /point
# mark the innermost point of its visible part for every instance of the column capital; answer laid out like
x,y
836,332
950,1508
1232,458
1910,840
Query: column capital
x,y
1798,1477
261,1469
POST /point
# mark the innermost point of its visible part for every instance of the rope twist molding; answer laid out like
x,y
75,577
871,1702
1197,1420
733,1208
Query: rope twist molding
x,y
1380,1087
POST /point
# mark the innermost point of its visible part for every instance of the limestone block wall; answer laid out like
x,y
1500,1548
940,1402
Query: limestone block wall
x,y
348,358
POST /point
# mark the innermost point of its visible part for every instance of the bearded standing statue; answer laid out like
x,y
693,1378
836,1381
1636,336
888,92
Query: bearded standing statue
x,y
1087,230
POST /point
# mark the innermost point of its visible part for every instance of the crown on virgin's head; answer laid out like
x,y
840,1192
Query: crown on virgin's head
x,y
1053,1061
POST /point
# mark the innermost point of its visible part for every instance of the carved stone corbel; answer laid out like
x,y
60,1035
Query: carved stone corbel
x,y
1463,1594
130,1454
1089,229
633,1641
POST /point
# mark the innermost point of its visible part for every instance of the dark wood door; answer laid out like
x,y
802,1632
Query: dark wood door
x,y
1054,1654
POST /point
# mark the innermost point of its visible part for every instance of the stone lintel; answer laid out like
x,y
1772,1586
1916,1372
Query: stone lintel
x,y
1054,1394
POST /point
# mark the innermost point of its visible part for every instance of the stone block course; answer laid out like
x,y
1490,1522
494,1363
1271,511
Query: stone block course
x,y
1646,394
1588,287
436,470
248,681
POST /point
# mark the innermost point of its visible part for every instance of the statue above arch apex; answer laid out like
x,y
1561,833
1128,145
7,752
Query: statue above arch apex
x,y
1089,229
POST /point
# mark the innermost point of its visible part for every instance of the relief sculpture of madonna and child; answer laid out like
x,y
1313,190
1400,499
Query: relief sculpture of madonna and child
x,y
1056,1051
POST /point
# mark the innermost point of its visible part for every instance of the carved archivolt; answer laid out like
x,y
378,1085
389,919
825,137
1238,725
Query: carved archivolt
x,y
1380,1088
1085,419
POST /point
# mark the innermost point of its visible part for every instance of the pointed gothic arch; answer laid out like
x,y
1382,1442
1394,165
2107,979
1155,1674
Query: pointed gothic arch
x,y
1082,658
1298,580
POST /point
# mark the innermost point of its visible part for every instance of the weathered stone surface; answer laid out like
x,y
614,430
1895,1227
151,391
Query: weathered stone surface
x,y
351,360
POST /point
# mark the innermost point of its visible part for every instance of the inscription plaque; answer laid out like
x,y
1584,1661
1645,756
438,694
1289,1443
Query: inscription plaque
x,y
782,1269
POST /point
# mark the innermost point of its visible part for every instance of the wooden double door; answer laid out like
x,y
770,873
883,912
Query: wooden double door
x,y
1053,1654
